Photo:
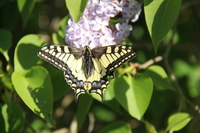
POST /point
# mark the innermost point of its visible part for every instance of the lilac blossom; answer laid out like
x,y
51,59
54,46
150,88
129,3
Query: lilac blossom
x,y
95,27
123,30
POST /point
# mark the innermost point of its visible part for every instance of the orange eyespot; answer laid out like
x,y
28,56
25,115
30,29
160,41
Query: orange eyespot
x,y
87,85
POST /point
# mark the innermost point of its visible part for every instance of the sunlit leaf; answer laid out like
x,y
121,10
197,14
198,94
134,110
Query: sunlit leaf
x,y
178,121
134,93
160,15
26,52
57,39
12,119
76,8
4,118
35,89
150,128
109,98
117,127
62,27
159,77
6,80
109,92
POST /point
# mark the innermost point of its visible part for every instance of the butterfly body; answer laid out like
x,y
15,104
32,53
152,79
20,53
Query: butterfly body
x,y
87,69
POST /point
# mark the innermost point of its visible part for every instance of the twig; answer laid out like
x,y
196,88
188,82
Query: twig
x,y
148,63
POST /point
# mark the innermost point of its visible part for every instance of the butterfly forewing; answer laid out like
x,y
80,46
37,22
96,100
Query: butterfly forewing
x,y
113,57
61,56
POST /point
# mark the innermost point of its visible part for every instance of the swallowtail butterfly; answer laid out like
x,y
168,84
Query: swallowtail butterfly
x,y
87,68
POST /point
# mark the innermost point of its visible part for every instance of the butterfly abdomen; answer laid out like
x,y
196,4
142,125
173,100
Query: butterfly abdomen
x,y
87,66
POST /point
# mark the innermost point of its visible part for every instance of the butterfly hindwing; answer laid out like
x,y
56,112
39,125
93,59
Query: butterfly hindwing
x,y
87,69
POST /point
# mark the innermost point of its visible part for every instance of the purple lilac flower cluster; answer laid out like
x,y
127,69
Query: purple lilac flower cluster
x,y
96,28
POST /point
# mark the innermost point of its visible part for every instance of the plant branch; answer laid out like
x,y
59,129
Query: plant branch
x,y
147,63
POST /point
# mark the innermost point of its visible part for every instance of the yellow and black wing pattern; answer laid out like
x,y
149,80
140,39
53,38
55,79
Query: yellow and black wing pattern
x,y
87,69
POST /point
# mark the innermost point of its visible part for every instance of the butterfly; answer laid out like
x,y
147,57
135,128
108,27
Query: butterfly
x,y
87,69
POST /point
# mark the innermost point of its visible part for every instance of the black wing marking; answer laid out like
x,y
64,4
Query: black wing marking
x,y
61,56
109,58
113,57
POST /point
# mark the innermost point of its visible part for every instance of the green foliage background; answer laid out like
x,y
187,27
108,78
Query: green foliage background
x,y
157,92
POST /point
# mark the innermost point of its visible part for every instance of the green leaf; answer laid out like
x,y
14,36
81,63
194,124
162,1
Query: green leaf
x,y
26,52
3,118
38,126
159,77
117,127
102,113
62,27
109,92
13,118
76,8
5,43
60,87
16,118
84,103
194,81
6,38
25,7
149,127
178,121
57,39
6,81
134,93
181,68
35,89
109,98
160,15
